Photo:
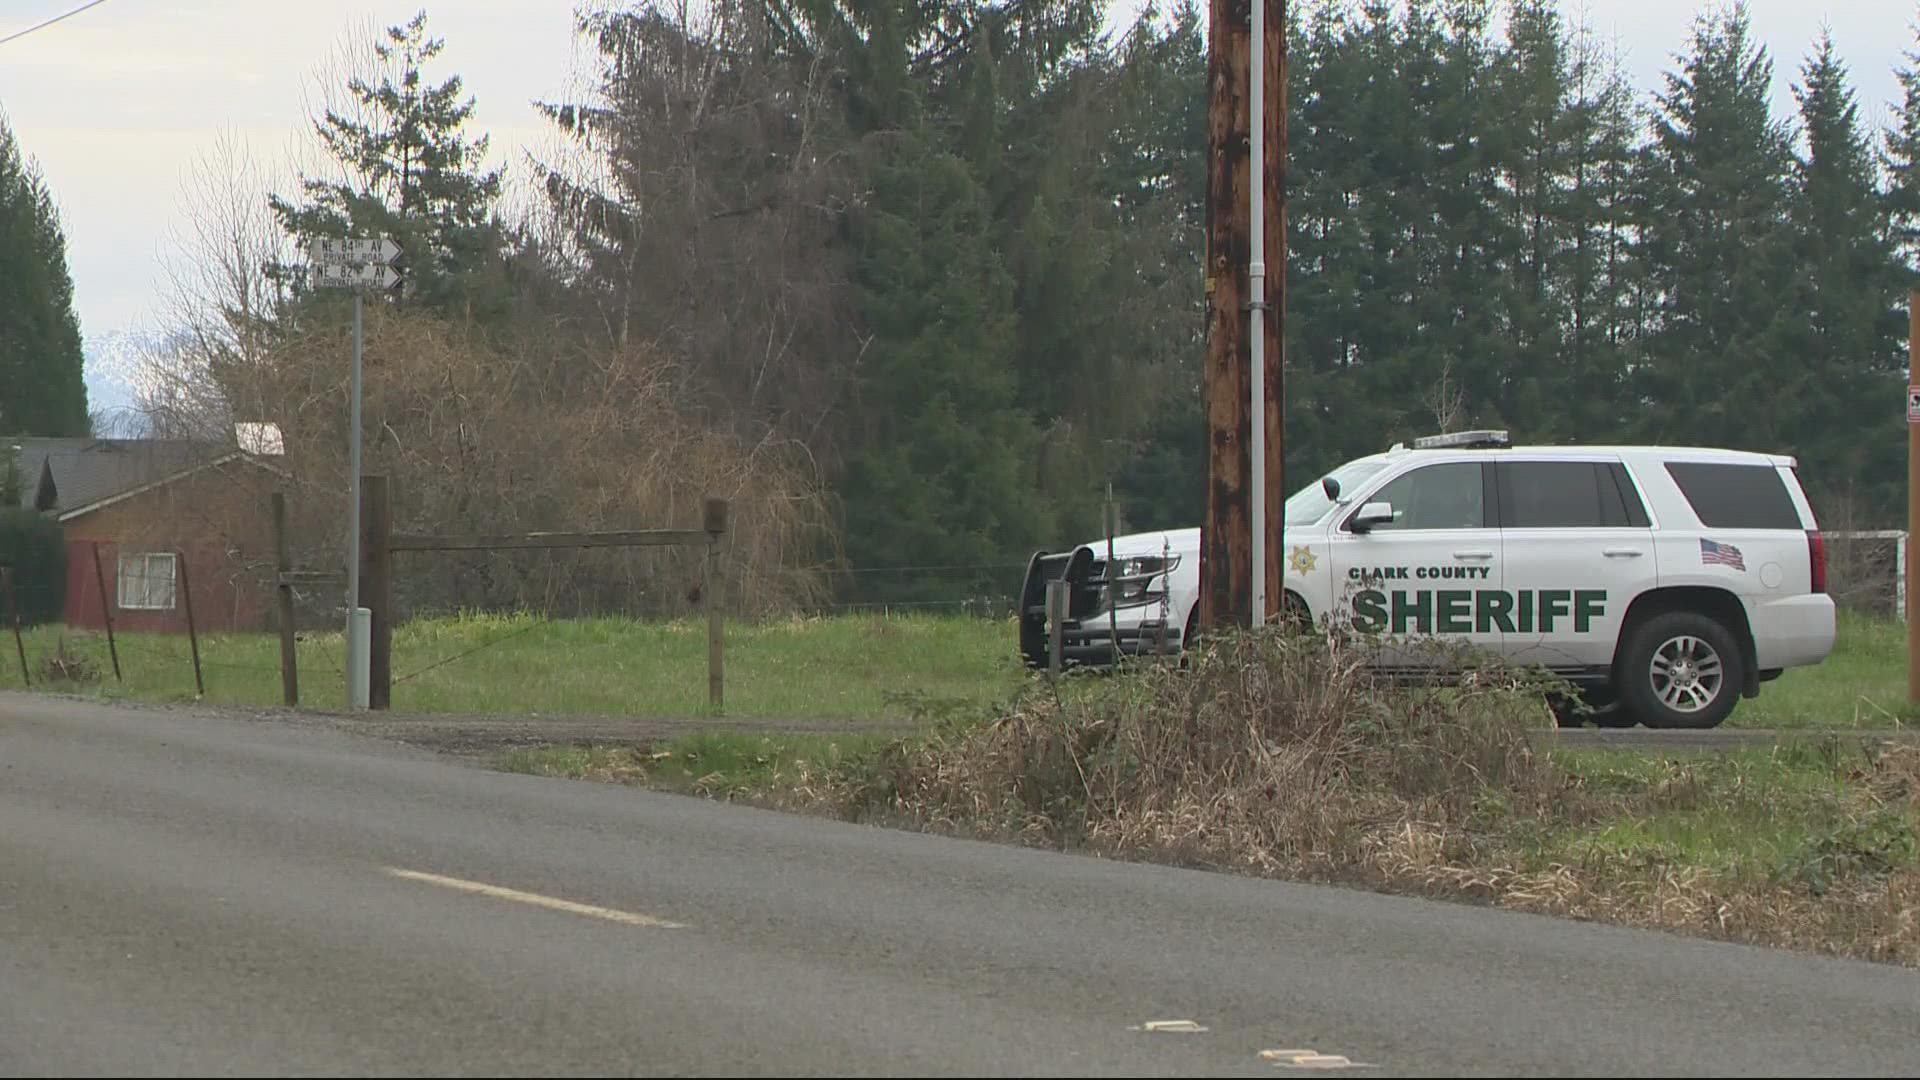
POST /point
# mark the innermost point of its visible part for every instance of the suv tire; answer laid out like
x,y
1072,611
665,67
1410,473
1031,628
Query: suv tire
x,y
1680,669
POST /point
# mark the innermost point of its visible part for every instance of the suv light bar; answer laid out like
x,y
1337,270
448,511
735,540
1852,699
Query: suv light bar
x,y
1463,439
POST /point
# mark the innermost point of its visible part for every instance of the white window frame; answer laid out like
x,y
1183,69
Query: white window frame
x,y
142,569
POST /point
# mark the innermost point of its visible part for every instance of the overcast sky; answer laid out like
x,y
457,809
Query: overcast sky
x,y
117,101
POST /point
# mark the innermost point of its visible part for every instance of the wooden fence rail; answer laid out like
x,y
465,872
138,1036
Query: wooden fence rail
x,y
379,543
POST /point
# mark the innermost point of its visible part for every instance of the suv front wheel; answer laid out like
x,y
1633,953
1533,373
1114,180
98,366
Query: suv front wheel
x,y
1681,670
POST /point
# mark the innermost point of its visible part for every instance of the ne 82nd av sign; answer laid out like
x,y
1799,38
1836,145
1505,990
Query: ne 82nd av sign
x,y
360,264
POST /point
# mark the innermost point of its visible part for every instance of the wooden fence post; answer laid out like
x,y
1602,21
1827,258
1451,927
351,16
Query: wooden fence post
x,y
716,528
282,563
376,586
193,632
1056,618
13,616
106,610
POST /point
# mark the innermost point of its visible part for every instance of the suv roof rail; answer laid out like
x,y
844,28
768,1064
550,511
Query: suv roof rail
x,y
1464,440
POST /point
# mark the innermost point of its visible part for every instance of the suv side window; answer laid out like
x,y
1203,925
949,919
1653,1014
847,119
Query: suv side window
x,y
1567,495
1728,496
1450,495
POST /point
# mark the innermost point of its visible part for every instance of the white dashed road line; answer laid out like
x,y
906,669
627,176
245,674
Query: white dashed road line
x,y
536,900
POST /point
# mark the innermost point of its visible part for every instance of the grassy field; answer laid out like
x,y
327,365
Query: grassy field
x,y
1863,684
850,667
854,667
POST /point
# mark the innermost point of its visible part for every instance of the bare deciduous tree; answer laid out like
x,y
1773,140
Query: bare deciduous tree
x,y
1445,400
220,304
699,210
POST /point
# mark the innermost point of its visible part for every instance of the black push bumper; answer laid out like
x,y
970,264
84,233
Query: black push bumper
x,y
1087,638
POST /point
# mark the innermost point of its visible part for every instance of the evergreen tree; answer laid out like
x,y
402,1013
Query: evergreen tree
x,y
1716,241
42,385
410,173
1157,156
1599,286
1843,343
942,473
1533,137
1902,157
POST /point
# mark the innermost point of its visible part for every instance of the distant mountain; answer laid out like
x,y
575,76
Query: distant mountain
x,y
112,372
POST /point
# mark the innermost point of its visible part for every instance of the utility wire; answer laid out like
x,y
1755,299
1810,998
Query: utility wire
x,y
50,22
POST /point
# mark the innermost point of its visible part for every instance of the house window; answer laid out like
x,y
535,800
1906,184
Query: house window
x,y
146,581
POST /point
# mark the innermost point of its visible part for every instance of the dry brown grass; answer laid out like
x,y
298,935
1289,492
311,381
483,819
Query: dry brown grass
x,y
1266,754
1286,758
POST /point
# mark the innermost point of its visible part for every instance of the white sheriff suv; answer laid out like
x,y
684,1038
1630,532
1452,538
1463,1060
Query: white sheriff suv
x,y
1664,582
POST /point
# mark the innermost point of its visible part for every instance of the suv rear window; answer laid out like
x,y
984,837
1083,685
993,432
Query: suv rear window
x,y
1729,496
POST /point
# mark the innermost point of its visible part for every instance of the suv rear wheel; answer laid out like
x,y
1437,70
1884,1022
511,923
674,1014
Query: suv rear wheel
x,y
1681,669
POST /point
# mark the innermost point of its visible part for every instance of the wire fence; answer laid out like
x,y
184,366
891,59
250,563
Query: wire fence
x,y
1866,571
984,590
59,635
453,640
445,627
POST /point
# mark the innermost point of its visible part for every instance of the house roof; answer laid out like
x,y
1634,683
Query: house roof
x,y
69,477
30,456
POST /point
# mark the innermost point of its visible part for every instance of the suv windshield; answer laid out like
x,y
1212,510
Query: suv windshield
x,y
1310,503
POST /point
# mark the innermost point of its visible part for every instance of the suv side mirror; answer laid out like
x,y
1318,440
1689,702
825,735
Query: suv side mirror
x,y
1331,486
1374,513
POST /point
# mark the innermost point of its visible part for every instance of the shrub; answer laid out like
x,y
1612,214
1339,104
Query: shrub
x,y
1265,752
35,547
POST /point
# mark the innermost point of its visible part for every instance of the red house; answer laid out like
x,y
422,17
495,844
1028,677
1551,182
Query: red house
x,y
161,516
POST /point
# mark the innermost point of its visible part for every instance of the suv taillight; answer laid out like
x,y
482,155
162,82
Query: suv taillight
x,y
1817,557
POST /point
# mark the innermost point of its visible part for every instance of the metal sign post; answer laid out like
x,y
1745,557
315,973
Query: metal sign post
x,y
356,263
1257,293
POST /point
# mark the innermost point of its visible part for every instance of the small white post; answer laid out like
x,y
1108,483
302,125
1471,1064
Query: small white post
x,y
359,658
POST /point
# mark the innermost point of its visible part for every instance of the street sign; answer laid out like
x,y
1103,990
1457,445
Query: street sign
x,y
363,275
353,250
358,263
1913,404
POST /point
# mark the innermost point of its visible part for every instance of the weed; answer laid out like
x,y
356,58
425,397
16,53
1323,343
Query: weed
x,y
65,668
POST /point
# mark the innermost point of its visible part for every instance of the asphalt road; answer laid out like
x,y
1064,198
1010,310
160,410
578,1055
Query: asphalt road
x,y
1720,739
187,893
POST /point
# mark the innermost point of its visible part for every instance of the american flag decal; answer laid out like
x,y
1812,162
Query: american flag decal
x,y
1721,555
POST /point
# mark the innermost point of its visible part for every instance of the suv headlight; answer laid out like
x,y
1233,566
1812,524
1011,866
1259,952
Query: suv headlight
x,y
1136,582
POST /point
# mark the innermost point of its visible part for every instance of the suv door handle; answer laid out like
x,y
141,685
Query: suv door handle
x,y
1479,554
1624,553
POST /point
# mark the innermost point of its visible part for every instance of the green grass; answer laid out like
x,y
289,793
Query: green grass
x,y
852,667
1748,813
707,763
847,667
1862,685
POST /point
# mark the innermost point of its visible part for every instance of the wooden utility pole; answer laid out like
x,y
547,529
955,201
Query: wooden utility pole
x,y
1226,553
1275,326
